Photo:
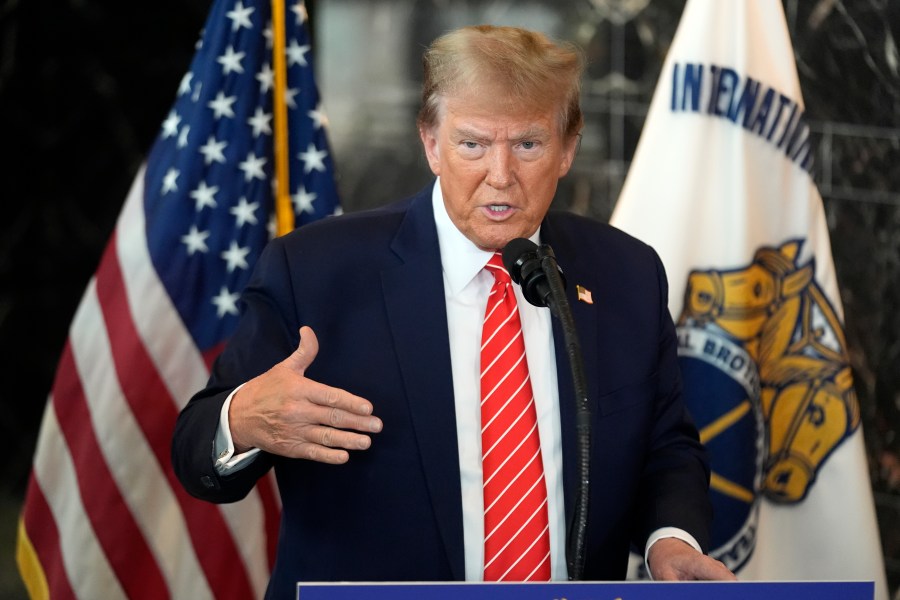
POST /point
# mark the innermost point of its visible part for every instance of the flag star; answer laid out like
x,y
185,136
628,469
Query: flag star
x,y
253,167
267,33
289,97
185,86
196,95
260,122
296,54
299,9
183,136
170,181
226,302
213,151
338,210
195,240
303,200
272,225
170,125
236,257
221,105
318,116
245,212
313,159
240,16
231,61
266,78
204,195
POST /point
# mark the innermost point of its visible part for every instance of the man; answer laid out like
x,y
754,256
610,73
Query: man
x,y
398,296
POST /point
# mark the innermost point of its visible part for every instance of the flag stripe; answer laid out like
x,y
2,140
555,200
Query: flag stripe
x,y
128,353
174,354
104,505
156,320
140,479
29,564
44,574
79,548
157,421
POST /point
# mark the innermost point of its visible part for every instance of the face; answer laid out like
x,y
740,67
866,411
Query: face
x,y
499,166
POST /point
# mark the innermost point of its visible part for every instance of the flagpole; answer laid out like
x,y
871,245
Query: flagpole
x,y
284,212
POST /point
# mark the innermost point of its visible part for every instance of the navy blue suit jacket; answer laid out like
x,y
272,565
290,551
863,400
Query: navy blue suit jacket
x,y
370,285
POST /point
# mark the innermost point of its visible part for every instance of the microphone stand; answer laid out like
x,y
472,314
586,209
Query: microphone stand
x,y
561,309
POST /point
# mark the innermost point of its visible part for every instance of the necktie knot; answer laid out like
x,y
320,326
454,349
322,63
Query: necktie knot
x,y
496,268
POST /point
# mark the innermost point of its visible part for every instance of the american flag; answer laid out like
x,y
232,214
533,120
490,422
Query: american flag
x,y
104,516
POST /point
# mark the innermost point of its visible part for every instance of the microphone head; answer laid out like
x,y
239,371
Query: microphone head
x,y
520,257
516,254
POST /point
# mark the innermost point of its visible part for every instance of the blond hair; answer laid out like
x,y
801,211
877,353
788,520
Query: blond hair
x,y
526,66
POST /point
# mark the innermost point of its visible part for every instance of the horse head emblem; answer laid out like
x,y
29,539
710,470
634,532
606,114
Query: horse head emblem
x,y
777,313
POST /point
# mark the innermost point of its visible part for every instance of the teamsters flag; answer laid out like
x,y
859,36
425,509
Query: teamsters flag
x,y
104,515
720,185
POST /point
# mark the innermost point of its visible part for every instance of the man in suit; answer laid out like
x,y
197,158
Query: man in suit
x,y
375,432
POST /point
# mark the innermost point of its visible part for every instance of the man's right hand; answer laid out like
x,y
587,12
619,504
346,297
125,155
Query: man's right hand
x,y
284,413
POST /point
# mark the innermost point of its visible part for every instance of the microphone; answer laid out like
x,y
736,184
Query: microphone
x,y
529,266
535,269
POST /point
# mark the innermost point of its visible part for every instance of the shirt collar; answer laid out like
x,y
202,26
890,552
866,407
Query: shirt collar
x,y
468,259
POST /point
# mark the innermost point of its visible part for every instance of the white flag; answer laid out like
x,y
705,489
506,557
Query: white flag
x,y
720,185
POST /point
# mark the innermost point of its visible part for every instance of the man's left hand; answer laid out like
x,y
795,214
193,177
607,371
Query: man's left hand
x,y
671,559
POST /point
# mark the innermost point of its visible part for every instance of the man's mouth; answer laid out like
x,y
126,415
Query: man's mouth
x,y
498,212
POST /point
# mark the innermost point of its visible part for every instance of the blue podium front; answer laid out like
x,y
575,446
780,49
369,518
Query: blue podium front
x,y
744,590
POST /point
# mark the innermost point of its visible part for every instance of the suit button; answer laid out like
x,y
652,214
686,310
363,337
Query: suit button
x,y
207,481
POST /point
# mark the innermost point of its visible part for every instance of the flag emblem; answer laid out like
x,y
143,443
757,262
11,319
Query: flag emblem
x,y
784,384
584,294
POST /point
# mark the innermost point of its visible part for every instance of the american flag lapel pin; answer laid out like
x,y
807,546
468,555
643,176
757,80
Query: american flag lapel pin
x,y
584,294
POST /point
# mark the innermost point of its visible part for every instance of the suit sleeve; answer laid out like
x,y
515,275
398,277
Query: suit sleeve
x,y
675,480
266,334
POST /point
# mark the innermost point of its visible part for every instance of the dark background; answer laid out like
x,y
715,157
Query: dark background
x,y
84,87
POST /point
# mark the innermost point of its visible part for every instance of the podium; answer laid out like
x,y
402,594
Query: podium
x,y
628,590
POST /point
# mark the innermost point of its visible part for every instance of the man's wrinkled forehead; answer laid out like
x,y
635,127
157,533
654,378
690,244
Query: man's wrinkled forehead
x,y
491,104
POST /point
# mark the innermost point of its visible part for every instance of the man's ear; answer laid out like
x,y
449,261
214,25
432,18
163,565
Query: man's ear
x,y
428,135
568,155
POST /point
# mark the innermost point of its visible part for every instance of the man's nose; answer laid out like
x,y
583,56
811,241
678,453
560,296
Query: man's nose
x,y
500,167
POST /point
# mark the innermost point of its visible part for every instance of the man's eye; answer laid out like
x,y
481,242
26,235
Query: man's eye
x,y
528,145
470,145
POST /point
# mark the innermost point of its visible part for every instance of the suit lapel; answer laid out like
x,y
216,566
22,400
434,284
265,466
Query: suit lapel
x,y
414,298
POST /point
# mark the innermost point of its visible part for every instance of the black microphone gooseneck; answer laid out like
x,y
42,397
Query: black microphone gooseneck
x,y
535,269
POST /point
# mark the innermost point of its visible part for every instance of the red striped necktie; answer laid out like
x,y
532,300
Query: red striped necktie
x,y
516,530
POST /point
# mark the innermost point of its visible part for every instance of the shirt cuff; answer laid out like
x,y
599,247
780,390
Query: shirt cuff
x,y
668,532
225,460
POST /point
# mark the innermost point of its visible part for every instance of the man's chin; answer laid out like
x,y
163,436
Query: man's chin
x,y
497,240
